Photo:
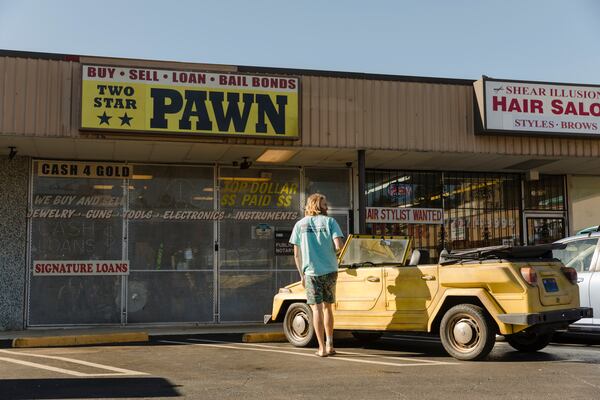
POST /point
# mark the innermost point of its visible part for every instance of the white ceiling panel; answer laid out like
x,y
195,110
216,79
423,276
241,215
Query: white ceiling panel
x,y
169,152
95,149
128,150
206,152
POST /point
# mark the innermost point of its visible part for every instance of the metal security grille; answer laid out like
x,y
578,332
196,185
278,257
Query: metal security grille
x,y
201,242
546,194
480,209
407,189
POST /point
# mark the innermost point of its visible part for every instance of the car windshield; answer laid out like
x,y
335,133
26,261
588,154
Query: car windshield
x,y
375,251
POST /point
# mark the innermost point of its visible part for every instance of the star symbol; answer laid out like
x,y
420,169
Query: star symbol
x,y
125,119
104,118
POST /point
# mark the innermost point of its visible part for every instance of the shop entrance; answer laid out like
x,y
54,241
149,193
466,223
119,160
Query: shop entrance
x,y
544,228
204,244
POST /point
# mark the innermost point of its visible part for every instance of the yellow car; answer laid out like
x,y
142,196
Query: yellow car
x,y
468,298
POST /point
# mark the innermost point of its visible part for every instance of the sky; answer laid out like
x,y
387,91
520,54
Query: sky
x,y
538,40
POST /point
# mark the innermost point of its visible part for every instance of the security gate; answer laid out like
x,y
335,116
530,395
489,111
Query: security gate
x,y
204,244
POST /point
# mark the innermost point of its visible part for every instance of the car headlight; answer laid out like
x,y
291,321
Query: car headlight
x,y
284,290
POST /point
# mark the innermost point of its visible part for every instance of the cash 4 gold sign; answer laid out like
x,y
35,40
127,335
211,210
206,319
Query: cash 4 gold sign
x,y
521,107
189,103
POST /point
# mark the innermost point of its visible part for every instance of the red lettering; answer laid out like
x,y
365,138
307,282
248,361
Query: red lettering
x,y
570,109
537,106
557,108
514,105
499,103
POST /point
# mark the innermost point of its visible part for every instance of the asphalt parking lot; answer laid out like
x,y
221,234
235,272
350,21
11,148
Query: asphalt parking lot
x,y
222,367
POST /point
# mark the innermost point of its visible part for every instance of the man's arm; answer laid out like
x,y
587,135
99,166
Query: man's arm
x,y
339,243
298,261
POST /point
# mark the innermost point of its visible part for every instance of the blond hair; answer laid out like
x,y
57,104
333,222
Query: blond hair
x,y
313,205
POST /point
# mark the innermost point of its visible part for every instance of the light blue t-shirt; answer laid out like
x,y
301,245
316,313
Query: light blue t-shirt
x,y
314,235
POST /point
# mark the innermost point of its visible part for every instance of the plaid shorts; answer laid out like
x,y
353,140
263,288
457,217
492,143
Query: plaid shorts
x,y
321,288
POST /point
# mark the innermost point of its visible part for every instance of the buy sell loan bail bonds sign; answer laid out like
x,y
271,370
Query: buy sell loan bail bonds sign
x,y
539,108
189,103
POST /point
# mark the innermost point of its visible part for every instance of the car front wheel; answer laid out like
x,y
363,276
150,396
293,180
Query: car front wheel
x,y
467,333
529,342
298,325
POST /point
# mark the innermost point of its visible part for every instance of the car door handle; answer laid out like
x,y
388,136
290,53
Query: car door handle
x,y
373,279
428,277
579,280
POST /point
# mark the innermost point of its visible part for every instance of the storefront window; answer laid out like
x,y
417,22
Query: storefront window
x,y
258,205
481,209
334,183
544,230
547,193
407,189
171,244
169,222
75,219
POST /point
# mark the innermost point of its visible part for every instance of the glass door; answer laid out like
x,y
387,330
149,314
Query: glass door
x,y
542,229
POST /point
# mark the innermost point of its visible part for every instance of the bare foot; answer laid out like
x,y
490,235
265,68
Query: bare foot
x,y
321,353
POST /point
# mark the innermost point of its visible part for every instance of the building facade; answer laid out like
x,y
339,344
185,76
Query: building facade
x,y
149,192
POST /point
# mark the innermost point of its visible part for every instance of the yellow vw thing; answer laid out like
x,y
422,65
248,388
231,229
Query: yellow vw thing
x,y
468,297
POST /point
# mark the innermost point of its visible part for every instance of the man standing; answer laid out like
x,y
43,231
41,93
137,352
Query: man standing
x,y
316,239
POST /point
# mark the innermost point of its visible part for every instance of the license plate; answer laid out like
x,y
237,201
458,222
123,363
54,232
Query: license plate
x,y
550,285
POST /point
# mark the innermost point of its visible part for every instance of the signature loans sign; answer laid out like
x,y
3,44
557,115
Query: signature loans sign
x,y
531,107
81,267
392,215
186,102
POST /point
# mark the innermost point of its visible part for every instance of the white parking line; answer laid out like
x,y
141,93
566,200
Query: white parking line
x,y
244,346
342,353
116,371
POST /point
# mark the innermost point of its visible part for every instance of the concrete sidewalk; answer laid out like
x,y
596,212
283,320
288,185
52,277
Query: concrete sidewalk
x,y
104,334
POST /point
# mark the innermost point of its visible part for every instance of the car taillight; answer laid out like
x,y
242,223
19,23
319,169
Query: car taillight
x,y
529,275
570,273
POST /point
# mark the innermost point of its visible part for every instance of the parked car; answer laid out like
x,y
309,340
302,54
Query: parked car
x,y
522,293
582,252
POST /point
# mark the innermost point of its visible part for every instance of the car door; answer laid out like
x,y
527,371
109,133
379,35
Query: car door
x,y
358,289
582,254
409,292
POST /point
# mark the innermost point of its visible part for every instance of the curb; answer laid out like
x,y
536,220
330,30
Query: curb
x,y
79,340
263,337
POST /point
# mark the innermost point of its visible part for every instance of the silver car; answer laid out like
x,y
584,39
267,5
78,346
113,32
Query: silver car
x,y
583,254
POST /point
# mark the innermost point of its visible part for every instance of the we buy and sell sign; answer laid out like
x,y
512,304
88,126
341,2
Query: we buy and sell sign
x,y
538,108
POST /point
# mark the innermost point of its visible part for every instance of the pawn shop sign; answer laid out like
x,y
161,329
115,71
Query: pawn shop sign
x,y
189,103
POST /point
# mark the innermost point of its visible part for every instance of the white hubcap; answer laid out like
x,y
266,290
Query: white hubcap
x,y
299,324
463,332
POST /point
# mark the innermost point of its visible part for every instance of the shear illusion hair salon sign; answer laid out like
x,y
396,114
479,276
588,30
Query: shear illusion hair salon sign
x,y
538,108
185,102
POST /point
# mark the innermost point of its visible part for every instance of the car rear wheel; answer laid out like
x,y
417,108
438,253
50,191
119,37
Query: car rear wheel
x,y
298,325
529,342
366,337
467,333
